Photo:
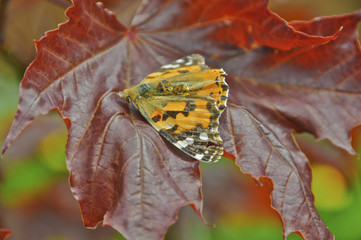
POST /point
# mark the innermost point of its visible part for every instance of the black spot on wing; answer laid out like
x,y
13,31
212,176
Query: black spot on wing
x,y
172,114
210,106
173,129
217,80
224,87
190,106
213,118
165,116
156,118
224,98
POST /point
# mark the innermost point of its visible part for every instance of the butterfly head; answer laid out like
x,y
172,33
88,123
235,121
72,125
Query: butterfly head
x,y
137,92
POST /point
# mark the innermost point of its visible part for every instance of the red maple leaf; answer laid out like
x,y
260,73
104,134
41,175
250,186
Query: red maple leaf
x,y
303,76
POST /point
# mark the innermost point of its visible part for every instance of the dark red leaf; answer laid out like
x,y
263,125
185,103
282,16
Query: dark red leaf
x,y
261,154
120,168
253,24
316,90
123,172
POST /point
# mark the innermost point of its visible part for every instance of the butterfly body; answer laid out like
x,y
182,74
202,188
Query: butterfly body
x,y
183,101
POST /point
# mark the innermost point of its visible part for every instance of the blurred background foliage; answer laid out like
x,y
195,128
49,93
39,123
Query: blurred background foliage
x,y
35,199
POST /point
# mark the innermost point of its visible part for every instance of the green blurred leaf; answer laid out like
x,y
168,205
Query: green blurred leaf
x,y
345,222
117,236
24,180
294,236
52,150
329,187
8,89
262,230
58,238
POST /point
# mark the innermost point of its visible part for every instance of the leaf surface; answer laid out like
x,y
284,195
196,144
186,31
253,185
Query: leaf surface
x,y
315,90
123,172
261,154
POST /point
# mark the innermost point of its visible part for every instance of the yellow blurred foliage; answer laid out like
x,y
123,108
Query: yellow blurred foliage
x,y
329,187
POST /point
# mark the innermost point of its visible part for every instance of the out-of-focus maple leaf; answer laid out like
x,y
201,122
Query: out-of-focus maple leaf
x,y
123,172
24,20
4,233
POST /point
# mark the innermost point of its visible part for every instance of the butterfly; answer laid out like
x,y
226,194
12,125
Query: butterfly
x,y
183,101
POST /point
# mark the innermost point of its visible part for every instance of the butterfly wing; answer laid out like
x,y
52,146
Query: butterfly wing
x,y
199,78
184,104
190,123
189,64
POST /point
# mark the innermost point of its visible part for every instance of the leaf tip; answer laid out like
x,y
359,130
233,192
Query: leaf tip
x,y
338,32
3,151
198,210
5,147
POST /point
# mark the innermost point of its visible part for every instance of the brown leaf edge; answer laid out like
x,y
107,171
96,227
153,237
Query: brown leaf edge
x,y
291,197
257,25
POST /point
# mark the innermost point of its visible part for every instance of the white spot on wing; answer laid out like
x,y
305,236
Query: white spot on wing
x,y
181,144
180,60
169,125
198,156
170,66
188,63
203,136
189,140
